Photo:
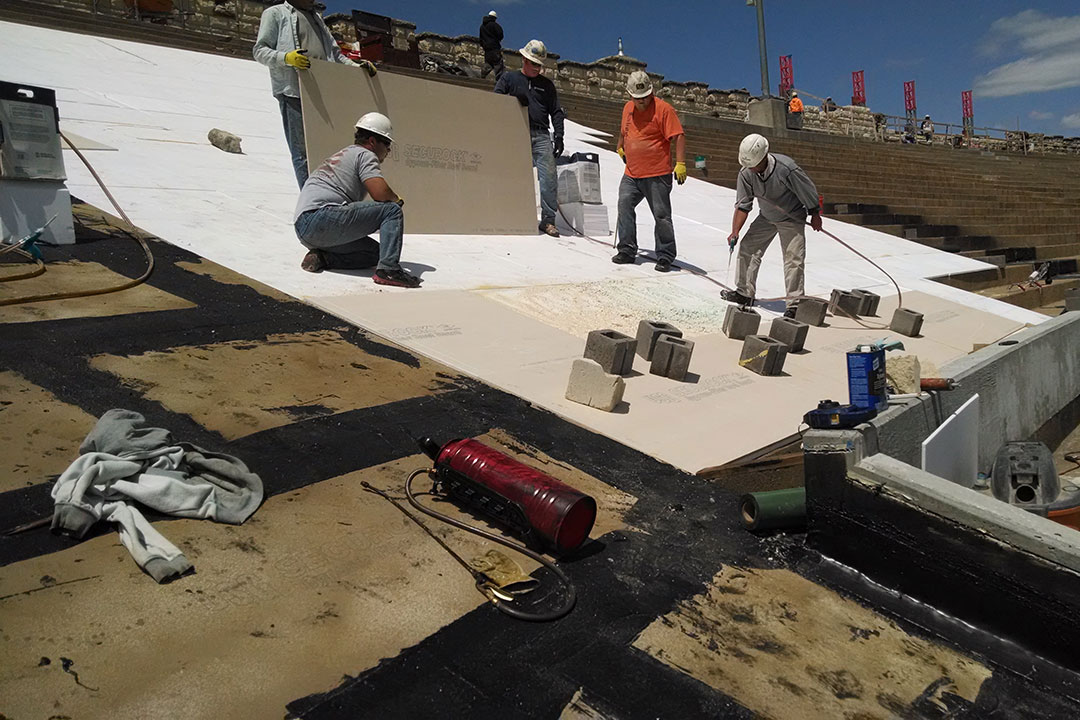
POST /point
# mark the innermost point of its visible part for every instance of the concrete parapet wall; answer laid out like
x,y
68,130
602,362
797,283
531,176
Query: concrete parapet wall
x,y
1021,386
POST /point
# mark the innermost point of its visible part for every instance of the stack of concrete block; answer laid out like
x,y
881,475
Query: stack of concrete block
x,y
741,322
869,305
763,355
612,350
811,311
845,303
649,332
671,357
590,385
906,322
789,331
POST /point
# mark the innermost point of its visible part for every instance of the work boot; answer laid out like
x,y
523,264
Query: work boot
x,y
734,296
623,259
663,265
313,262
395,278
550,229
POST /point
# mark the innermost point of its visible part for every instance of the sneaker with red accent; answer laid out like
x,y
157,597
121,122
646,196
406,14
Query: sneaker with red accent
x,y
395,278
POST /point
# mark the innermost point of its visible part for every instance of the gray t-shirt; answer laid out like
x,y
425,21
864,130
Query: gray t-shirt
x,y
310,37
788,190
339,180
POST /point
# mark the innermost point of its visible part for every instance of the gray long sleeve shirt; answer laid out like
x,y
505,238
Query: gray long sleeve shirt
x,y
785,187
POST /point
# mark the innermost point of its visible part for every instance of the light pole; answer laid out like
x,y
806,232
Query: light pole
x,y
761,45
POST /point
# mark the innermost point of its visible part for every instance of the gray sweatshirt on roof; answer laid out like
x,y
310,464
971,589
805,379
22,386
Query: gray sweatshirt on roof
x,y
784,185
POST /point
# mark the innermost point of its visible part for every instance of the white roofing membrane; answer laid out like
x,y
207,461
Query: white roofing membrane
x,y
510,310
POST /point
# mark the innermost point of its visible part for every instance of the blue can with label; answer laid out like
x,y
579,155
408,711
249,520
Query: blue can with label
x,y
866,378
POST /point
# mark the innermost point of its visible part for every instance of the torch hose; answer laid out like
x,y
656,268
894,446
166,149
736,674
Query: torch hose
x,y
571,594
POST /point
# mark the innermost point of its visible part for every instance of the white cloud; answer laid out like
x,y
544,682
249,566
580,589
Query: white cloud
x,y
1051,61
1036,115
1071,121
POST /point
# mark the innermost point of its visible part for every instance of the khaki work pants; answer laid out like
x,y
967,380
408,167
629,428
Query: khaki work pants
x,y
753,246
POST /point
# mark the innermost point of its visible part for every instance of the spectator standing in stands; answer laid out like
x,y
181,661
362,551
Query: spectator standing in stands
x,y
786,195
926,129
345,199
536,92
491,35
795,111
648,129
291,35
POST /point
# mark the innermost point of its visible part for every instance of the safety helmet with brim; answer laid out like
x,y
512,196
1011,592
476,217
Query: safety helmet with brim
x,y
534,51
378,124
638,85
752,150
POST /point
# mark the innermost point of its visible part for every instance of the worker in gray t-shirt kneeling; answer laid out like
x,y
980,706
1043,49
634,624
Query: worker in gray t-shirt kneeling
x,y
334,216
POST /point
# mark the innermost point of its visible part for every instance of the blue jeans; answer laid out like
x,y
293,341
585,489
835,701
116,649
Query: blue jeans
x,y
657,192
293,121
544,161
341,232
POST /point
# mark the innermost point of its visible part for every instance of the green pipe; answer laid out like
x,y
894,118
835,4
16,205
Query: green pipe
x,y
776,509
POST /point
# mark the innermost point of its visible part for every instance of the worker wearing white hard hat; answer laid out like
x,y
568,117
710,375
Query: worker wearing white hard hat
x,y
647,132
346,200
491,36
786,196
538,94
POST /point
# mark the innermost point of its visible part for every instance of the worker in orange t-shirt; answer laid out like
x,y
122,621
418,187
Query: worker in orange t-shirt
x,y
795,106
649,125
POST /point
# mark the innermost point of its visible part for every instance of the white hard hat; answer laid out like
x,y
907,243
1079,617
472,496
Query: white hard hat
x,y
794,93
638,84
752,150
535,51
376,123
492,14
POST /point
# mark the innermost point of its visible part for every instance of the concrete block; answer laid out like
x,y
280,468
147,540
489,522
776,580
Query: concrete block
x,y
672,357
1072,299
763,355
844,303
648,332
590,385
613,350
790,332
738,323
998,260
869,303
906,322
811,311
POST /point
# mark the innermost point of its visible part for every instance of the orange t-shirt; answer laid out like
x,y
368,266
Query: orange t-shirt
x,y
795,105
647,138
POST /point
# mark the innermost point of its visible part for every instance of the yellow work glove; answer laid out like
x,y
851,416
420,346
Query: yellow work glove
x,y
298,59
622,153
680,172
369,66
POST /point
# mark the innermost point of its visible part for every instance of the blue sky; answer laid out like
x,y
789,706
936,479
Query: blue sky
x,y
1022,59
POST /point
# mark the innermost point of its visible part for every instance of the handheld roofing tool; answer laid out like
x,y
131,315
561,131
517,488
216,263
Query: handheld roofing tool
x,y
545,512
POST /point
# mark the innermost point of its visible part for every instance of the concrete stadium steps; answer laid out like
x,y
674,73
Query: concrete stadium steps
x,y
982,280
48,15
1035,297
957,201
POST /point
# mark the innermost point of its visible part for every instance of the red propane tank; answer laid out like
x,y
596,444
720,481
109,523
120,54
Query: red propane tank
x,y
559,514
